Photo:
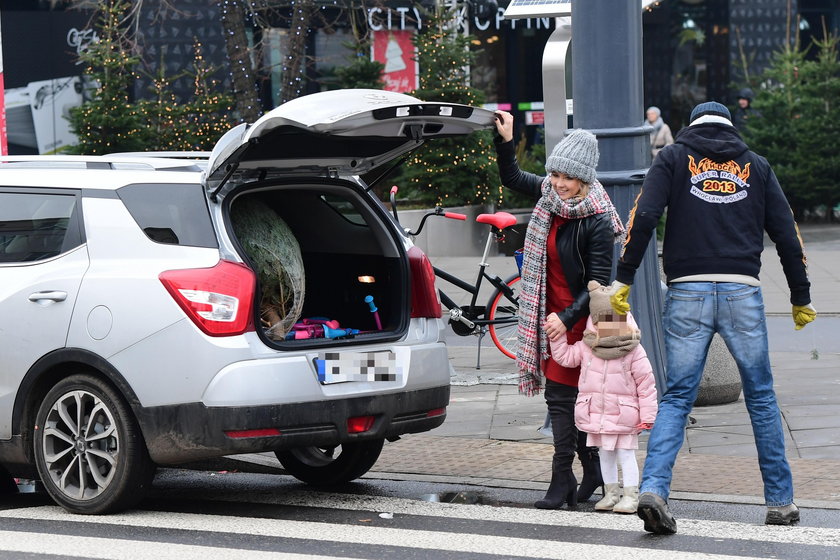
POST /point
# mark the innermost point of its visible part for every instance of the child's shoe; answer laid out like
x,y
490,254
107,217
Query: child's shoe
x,y
611,497
629,501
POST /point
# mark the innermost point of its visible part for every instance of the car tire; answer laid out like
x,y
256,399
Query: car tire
x,y
329,466
108,468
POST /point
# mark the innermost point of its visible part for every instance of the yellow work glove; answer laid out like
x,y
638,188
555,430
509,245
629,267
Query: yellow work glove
x,y
618,297
803,314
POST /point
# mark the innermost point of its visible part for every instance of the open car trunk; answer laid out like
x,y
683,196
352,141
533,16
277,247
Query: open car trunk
x,y
347,253
290,164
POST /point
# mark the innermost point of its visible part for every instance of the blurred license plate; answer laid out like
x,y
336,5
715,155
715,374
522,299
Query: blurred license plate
x,y
340,367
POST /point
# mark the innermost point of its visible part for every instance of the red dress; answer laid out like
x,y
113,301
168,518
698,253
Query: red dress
x,y
558,298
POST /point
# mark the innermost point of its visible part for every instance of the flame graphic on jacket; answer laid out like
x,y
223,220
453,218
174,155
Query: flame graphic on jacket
x,y
730,166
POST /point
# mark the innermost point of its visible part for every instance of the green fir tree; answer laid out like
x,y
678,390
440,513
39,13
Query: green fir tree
x,y
796,122
193,125
453,171
819,128
361,72
108,121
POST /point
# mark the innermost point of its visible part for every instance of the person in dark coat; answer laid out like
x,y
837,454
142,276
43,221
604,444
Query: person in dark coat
x,y
743,111
721,199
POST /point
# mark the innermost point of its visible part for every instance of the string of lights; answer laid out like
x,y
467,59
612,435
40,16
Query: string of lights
x,y
110,121
450,172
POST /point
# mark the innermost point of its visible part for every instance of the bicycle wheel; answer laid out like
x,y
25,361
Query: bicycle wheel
x,y
504,311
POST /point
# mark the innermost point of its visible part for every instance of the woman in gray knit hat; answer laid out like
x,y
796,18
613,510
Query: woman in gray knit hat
x,y
569,242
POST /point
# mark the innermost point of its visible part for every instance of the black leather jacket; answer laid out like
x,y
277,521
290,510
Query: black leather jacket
x,y
585,246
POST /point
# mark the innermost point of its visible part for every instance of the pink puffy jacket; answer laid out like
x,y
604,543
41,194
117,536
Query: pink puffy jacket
x,y
614,396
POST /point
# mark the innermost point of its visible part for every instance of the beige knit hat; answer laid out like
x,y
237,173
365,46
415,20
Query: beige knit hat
x,y
605,319
599,301
576,155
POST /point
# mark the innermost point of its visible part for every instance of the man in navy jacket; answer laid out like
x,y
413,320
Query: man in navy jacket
x,y
721,198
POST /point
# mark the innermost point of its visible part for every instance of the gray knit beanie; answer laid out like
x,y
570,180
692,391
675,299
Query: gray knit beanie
x,y
576,155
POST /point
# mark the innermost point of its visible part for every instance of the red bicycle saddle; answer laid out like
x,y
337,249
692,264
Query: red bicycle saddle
x,y
500,220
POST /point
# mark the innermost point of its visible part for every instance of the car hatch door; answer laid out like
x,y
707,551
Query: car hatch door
x,y
339,132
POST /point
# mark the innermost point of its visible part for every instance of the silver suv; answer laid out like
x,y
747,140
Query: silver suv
x,y
138,325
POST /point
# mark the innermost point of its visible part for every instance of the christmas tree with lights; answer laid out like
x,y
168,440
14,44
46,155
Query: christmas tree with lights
x,y
196,124
108,121
450,171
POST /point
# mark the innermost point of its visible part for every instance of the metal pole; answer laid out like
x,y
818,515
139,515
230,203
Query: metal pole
x,y
4,147
608,101
554,81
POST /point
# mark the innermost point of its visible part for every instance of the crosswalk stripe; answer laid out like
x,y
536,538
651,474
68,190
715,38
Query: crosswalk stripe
x,y
122,549
369,535
797,534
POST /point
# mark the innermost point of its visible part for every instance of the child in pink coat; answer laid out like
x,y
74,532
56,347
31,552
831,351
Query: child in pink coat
x,y
616,395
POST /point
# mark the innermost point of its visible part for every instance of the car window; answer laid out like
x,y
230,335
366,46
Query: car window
x,y
344,207
174,214
34,227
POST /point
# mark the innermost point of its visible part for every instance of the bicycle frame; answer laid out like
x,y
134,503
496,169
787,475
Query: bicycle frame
x,y
473,289
477,320
474,324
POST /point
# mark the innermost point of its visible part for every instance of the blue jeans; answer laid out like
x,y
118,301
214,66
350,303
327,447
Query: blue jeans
x,y
694,311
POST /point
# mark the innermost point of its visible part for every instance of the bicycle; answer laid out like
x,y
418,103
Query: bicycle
x,y
500,316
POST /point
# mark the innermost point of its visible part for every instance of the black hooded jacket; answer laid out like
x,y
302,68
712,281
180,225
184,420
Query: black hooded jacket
x,y
721,198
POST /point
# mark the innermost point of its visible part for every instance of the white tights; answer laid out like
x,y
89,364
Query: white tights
x,y
629,466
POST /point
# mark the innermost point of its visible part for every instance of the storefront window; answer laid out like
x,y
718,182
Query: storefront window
x,y
686,49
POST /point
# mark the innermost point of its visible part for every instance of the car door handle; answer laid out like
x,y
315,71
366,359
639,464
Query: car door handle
x,y
38,297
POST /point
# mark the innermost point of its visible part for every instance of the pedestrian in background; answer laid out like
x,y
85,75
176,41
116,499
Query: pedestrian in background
x,y
743,111
661,135
569,241
616,395
721,199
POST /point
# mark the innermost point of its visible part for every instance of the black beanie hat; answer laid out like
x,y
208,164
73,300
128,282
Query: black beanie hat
x,y
710,108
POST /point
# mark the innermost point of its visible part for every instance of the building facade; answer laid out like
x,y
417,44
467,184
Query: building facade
x,y
694,50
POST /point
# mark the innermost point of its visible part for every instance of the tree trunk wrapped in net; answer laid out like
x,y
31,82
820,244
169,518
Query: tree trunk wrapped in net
x,y
275,253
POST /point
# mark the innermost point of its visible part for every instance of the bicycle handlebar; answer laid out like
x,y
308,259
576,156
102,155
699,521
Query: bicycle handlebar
x,y
455,216
438,211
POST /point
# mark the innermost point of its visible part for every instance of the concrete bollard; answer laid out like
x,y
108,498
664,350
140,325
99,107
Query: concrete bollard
x,y
721,381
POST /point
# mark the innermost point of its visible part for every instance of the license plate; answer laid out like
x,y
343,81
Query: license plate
x,y
341,367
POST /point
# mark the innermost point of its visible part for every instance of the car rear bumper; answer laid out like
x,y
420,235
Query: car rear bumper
x,y
186,432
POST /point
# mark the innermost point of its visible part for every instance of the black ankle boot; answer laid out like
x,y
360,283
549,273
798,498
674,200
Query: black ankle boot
x,y
591,462
562,490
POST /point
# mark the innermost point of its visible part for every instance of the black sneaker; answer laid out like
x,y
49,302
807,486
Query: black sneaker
x,y
782,515
654,511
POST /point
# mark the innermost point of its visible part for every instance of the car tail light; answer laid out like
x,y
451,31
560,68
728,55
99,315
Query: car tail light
x,y
359,424
424,296
436,412
217,299
245,434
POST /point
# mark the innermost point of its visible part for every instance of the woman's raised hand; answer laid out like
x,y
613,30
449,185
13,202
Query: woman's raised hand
x,y
504,125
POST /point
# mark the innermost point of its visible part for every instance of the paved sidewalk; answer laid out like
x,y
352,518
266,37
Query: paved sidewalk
x,y
490,435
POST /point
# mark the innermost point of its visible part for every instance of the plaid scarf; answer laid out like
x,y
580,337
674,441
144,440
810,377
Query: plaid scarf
x,y
533,342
